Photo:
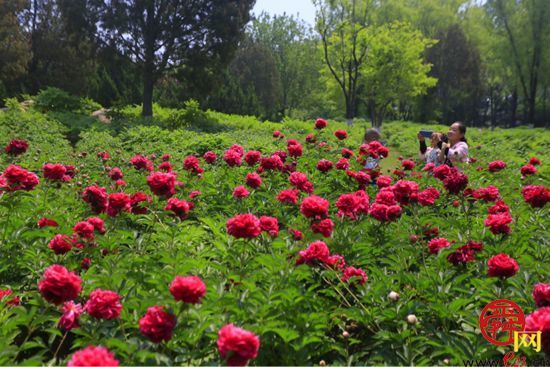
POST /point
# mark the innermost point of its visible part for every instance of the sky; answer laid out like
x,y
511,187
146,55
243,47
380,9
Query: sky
x,y
305,8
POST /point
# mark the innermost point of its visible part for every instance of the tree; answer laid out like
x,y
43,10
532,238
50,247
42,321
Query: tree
x,y
342,25
293,48
457,67
62,52
395,70
525,26
14,46
162,35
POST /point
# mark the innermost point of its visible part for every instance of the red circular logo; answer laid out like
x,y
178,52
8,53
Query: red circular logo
x,y
498,321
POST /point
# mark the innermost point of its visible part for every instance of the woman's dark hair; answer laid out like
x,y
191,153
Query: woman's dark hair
x,y
462,129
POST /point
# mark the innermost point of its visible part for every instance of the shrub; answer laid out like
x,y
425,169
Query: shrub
x,y
55,99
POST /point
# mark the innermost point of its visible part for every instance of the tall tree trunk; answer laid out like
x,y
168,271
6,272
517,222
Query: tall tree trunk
x,y
531,110
514,107
148,82
149,62
350,111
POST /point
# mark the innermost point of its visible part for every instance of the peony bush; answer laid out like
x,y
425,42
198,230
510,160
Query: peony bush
x,y
267,247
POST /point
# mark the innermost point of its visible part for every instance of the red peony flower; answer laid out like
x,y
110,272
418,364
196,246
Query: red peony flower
x,y
85,263
71,313
316,252
408,165
59,285
252,157
141,163
237,346
296,234
192,164
104,304
189,289
210,157
179,207
288,196
354,273
428,196
428,167
84,230
232,158
455,182
320,123
324,227
157,324
60,244
15,178
489,193
342,164
136,200
166,167
324,165
165,157
405,191
272,163
118,202
301,182
541,294
534,161
383,181
97,223
295,150
310,138
240,192
92,356
347,153
116,174
314,207
104,156
465,253
441,172
496,166
277,134
362,178
437,244
352,205
341,134
499,208
536,196
385,196
244,226
336,262
498,223
385,213
253,180
540,320
96,196
16,147
502,266
528,169
269,225
162,184
46,222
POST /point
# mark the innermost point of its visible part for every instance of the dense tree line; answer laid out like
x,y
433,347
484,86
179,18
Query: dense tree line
x,y
486,63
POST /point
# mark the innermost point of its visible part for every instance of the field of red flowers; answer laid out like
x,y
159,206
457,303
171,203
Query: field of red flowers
x,y
264,244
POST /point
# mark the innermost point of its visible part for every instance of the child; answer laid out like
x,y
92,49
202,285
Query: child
x,y
370,136
431,154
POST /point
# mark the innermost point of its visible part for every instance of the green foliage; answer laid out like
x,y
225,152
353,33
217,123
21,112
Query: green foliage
x,y
55,99
394,71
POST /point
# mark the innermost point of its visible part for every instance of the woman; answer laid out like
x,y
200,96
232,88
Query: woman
x,y
431,154
456,150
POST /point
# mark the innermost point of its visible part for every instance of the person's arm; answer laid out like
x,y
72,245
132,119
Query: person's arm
x,y
443,152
